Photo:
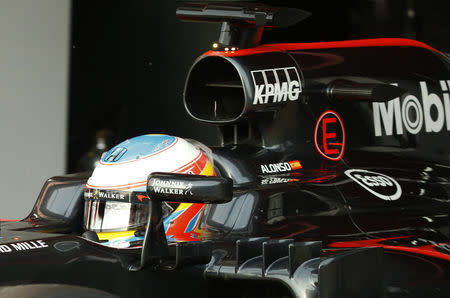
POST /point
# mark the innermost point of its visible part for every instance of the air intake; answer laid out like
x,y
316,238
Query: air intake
x,y
214,91
227,89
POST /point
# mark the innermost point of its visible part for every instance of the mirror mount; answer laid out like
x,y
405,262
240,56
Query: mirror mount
x,y
180,188
154,246
242,22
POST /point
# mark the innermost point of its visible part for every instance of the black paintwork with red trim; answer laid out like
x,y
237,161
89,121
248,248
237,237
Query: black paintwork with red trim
x,y
316,202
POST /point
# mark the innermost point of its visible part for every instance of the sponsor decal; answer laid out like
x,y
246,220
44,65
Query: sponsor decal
x,y
329,136
21,246
65,246
171,187
115,154
277,180
280,167
88,194
276,85
380,185
163,145
295,164
430,113
105,195
110,195
141,197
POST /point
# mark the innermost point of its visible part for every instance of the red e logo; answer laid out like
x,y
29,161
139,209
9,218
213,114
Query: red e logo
x,y
329,136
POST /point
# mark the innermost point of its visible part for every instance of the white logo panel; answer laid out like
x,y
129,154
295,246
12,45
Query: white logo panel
x,y
412,114
380,185
276,85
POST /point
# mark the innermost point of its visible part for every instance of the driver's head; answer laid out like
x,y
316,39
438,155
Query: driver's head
x,y
116,203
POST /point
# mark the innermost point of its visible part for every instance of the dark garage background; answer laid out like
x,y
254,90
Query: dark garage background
x,y
129,60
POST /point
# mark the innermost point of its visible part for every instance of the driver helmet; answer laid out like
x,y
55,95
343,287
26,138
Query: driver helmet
x,y
116,202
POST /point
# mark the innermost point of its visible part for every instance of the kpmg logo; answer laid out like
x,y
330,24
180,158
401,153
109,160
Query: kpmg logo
x,y
276,85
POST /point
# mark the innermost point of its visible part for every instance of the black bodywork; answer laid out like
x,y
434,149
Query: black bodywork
x,y
312,231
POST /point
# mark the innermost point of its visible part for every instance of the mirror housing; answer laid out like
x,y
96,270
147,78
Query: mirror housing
x,y
242,22
183,188
180,188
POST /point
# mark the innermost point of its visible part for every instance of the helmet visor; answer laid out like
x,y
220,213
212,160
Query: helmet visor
x,y
114,211
112,216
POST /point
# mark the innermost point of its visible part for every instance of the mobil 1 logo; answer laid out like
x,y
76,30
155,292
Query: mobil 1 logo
x,y
429,112
380,185
276,85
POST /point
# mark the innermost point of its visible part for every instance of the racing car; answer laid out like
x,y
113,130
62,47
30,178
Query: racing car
x,y
331,179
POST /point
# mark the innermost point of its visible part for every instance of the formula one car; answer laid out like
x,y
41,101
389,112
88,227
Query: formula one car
x,y
333,179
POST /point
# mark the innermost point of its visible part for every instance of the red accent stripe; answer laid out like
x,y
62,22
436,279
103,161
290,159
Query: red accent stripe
x,y
186,166
202,164
379,42
179,224
427,250
9,220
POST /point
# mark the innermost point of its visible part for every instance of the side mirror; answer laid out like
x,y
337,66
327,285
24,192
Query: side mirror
x,y
185,188
176,188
